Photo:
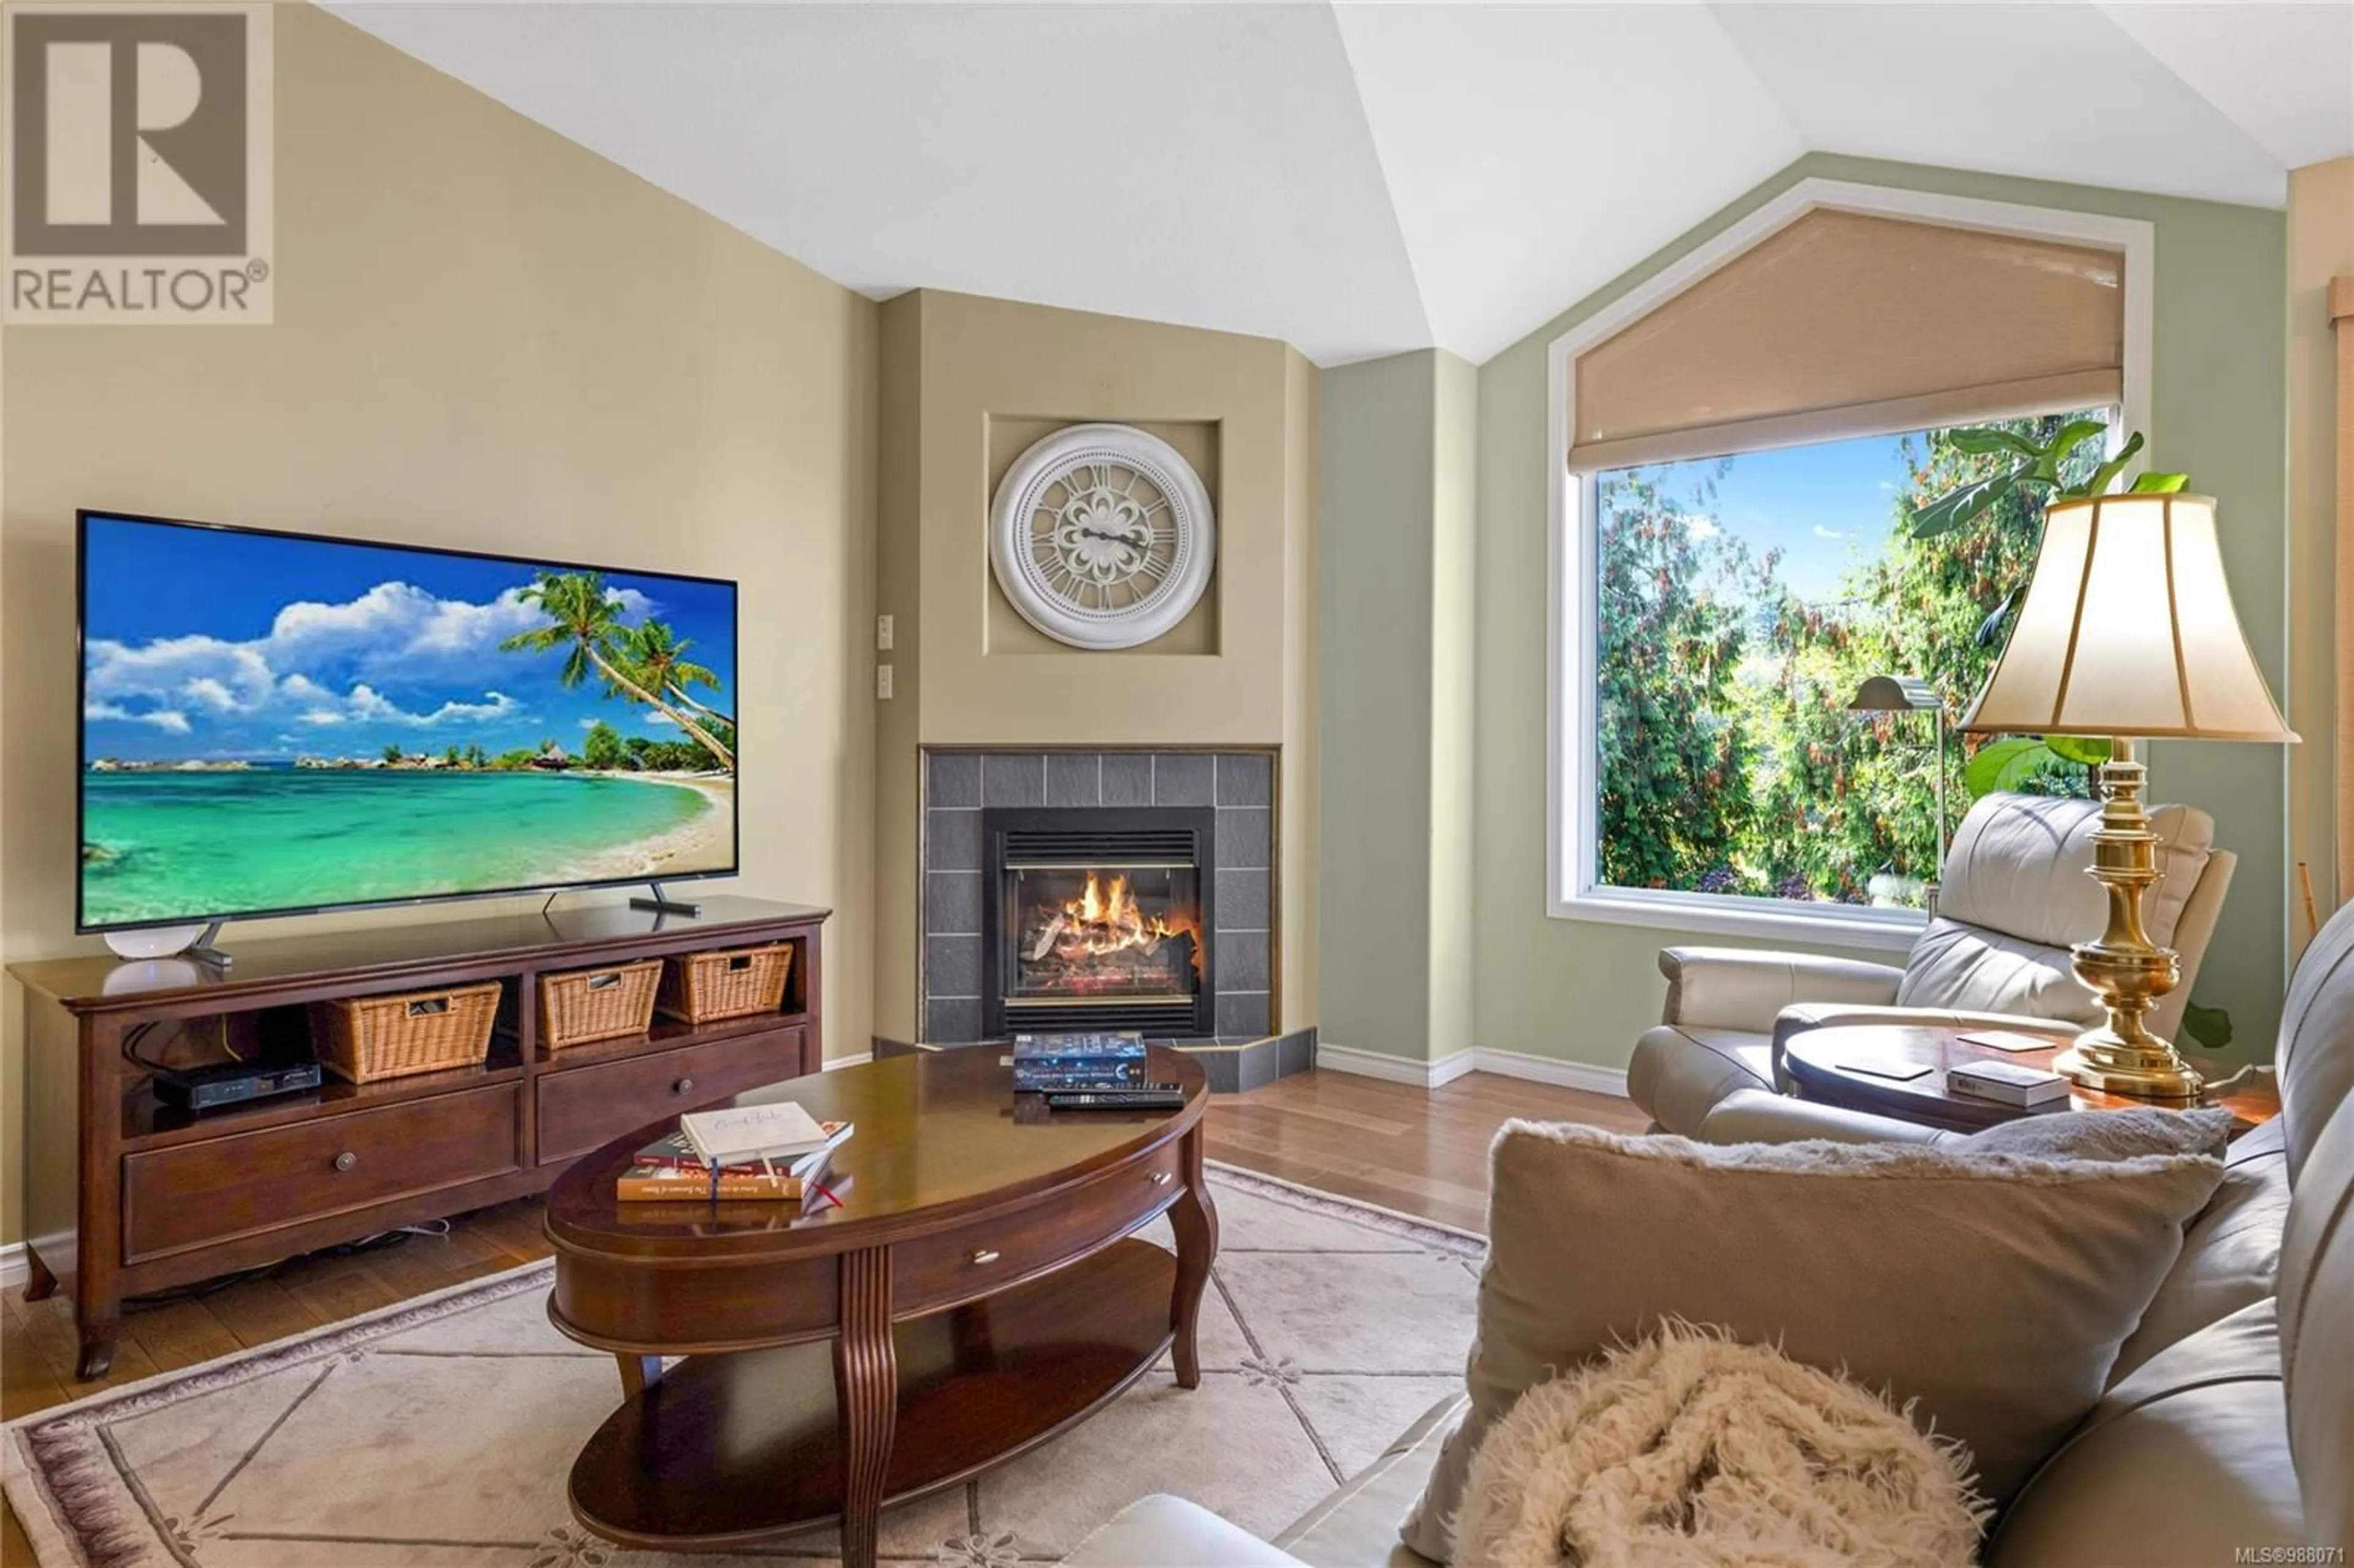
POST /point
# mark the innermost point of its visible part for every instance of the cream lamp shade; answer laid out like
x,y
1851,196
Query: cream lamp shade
x,y
2127,629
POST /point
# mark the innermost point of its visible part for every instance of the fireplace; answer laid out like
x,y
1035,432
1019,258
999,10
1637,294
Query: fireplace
x,y
1096,919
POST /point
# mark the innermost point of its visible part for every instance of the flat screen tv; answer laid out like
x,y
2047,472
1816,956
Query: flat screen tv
x,y
277,723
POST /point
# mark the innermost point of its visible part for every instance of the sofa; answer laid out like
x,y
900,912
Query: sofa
x,y
2228,1423
2015,896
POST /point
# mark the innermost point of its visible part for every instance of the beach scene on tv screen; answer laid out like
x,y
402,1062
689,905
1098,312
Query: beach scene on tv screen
x,y
279,723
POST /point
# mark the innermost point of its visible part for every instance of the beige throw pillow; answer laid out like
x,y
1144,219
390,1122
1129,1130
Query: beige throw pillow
x,y
1992,1288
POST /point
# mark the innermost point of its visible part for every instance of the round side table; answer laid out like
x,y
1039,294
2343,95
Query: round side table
x,y
1823,1063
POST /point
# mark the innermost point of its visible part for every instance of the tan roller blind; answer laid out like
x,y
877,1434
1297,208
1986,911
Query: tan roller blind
x,y
1847,324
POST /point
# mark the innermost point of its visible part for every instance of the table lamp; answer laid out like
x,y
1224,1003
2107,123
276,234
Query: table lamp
x,y
2127,630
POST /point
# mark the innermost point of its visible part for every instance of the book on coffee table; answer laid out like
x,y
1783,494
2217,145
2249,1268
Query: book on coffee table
x,y
742,1135
2009,1082
670,1171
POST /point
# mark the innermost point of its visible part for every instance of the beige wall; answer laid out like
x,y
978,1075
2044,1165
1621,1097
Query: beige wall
x,y
2320,247
967,384
487,337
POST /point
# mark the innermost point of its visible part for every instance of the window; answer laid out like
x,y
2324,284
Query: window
x,y
1741,605
1714,616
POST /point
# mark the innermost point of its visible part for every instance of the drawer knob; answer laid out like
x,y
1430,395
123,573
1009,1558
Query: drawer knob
x,y
1159,1178
984,1257
346,1159
685,1086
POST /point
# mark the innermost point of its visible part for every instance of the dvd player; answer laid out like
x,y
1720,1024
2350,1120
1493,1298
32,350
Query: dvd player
x,y
232,1083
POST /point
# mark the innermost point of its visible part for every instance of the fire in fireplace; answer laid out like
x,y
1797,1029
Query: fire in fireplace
x,y
1098,921
1134,932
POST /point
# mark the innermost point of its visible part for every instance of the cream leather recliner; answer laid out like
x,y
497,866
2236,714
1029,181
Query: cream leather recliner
x,y
2015,896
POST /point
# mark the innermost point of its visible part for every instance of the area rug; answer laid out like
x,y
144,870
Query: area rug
x,y
439,1433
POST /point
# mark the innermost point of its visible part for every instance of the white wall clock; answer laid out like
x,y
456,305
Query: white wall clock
x,y
1101,537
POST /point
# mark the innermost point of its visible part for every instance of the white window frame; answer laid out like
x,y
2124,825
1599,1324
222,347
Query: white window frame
x,y
1571,890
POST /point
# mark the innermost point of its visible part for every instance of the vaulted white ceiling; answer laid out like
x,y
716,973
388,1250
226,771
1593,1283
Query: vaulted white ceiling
x,y
1364,179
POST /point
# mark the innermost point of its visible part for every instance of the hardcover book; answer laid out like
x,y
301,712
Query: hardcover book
x,y
669,1170
1081,1047
2009,1082
1066,1074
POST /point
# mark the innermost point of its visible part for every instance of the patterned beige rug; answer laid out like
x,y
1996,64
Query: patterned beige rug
x,y
439,1435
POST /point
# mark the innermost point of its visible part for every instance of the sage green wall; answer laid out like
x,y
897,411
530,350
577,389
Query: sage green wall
x,y
1397,589
1374,635
1581,990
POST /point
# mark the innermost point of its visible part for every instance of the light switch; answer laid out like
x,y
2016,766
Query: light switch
x,y
882,682
882,636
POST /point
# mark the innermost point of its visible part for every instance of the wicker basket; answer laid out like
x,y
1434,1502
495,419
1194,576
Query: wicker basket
x,y
365,1038
729,983
597,1004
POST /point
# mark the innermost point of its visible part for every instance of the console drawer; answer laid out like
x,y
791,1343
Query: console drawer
x,y
194,1193
989,1254
580,1107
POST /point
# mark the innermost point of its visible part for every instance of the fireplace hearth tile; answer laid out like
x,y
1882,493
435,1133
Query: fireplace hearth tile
x,y
953,903
953,1021
1255,1065
1242,960
1245,837
952,968
1074,778
1245,780
1184,778
952,840
1126,779
1014,779
955,778
1243,1012
1243,900
1223,1069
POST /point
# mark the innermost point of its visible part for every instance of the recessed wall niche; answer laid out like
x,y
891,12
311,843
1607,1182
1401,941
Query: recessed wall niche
x,y
1196,441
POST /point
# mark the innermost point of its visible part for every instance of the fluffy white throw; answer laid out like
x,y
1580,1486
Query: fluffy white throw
x,y
1690,1451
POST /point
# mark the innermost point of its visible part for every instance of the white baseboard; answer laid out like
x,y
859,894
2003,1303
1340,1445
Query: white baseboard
x,y
1374,1065
1478,1059
1551,1070
853,1059
12,1264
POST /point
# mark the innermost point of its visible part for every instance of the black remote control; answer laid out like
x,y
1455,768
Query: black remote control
x,y
1145,1097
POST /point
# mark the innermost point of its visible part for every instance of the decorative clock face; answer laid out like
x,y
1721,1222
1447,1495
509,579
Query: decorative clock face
x,y
1101,537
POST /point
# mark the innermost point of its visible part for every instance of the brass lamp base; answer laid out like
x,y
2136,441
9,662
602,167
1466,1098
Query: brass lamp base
x,y
2124,969
2098,1061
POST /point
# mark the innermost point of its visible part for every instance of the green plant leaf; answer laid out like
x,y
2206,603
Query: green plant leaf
x,y
1955,507
2073,434
2160,483
2098,483
2002,763
1986,438
1985,635
2211,1026
2092,750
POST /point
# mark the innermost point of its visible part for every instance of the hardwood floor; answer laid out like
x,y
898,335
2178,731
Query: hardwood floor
x,y
1419,1151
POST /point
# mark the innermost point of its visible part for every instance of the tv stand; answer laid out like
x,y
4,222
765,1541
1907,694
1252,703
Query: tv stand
x,y
125,1195
661,904
204,950
187,944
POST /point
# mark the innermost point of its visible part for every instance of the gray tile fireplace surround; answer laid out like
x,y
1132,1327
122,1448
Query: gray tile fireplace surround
x,y
1240,785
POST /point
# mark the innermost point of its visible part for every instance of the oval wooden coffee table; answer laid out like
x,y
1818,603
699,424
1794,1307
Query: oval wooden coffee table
x,y
975,1291
1826,1065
